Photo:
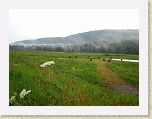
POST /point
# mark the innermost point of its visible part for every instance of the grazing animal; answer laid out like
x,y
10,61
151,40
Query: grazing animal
x,y
90,58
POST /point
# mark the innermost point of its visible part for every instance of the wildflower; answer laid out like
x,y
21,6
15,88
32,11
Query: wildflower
x,y
42,65
52,62
24,92
12,99
47,63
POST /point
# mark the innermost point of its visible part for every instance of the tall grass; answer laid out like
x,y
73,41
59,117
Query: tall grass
x,y
69,81
127,70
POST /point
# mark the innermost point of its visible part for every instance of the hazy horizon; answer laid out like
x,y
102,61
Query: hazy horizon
x,y
26,24
69,35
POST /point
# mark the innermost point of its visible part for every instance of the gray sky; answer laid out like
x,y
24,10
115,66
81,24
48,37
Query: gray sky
x,y
37,23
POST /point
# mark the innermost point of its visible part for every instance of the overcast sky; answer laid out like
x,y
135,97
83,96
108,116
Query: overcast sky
x,y
37,23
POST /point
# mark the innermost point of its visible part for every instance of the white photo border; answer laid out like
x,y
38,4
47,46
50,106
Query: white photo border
x,y
142,109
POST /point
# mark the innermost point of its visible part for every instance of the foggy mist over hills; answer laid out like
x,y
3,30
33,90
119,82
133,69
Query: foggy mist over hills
x,y
93,41
81,38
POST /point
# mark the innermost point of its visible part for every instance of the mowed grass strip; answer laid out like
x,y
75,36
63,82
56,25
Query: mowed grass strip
x,y
129,71
70,81
107,75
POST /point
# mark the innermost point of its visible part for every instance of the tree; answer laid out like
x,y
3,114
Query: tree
x,y
44,49
72,50
109,50
38,48
17,47
102,50
68,50
118,50
59,49
129,49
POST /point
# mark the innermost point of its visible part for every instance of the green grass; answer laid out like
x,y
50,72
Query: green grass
x,y
60,84
127,70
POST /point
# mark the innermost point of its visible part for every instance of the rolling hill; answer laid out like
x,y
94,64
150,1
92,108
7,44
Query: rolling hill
x,y
81,38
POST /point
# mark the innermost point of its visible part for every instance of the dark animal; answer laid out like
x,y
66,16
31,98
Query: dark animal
x,y
90,58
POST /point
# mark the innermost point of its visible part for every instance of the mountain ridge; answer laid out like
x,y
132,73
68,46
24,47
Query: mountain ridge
x,y
84,37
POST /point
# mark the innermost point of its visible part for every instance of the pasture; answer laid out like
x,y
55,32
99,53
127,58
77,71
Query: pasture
x,y
74,81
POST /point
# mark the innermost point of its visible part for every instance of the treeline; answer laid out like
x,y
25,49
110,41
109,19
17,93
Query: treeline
x,y
122,47
37,48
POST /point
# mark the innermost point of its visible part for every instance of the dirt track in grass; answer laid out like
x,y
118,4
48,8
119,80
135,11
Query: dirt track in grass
x,y
113,80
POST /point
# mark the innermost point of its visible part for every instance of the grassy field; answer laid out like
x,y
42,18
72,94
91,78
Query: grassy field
x,y
69,82
127,70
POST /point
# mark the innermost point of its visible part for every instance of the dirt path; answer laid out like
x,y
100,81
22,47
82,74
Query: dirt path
x,y
113,80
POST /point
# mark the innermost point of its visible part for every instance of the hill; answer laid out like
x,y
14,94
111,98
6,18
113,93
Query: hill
x,y
82,38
